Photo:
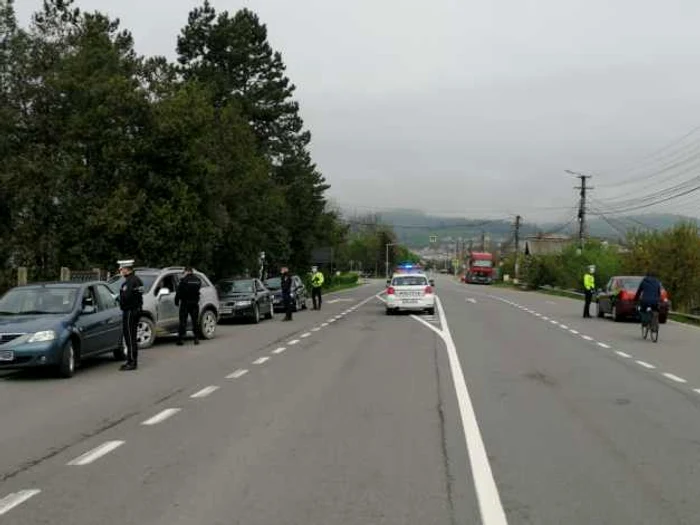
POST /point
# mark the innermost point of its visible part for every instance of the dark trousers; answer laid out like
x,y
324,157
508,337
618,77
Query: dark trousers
x,y
188,310
130,323
587,303
288,306
316,294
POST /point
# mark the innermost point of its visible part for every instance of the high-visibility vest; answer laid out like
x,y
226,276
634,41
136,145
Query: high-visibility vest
x,y
317,280
588,282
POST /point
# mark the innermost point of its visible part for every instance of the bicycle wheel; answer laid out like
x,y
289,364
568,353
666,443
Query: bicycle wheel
x,y
655,327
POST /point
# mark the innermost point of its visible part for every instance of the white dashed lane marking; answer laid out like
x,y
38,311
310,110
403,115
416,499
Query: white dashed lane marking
x,y
261,360
675,378
587,337
16,499
96,453
307,334
603,345
646,365
279,350
237,374
293,342
315,329
573,331
623,354
204,392
161,416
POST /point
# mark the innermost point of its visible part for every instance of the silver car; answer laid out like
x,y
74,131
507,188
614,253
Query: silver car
x,y
160,316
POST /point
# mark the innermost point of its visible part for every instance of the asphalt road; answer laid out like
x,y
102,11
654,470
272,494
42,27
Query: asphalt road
x,y
506,408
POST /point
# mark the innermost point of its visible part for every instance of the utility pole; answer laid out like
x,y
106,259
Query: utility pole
x,y
582,230
517,248
483,241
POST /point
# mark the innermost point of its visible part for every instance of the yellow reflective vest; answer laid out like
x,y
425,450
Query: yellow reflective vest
x,y
588,282
317,280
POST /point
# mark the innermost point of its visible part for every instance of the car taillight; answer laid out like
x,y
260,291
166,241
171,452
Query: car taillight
x,y
664,296
626,295
390,290
428,289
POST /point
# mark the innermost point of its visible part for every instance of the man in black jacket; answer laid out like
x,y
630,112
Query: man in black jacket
x,y
187,298
130,302
287,293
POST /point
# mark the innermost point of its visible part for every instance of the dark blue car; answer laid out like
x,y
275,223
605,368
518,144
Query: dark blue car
x,y
58,324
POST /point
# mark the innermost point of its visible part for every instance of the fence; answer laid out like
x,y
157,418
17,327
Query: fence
x,y
65,275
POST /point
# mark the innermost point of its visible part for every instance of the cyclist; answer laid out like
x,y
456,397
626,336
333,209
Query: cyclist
x,y
649,292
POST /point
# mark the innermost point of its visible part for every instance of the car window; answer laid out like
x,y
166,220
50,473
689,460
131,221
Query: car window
x,y
40,300
89,298
410,280
275,283
169,282
105,297
631,283
243,286
115,283
609,286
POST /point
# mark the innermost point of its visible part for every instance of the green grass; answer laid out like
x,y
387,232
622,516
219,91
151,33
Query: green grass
x,y
340,287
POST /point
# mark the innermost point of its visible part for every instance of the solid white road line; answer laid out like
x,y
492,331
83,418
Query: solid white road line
x,y
204,392
645,365
261,360
15,499
587,337
96,453
293,342
622,354
237,374
161,416
279,350
675,378
490,505
603,345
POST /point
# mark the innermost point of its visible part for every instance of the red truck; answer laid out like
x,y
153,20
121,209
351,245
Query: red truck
x,y
479,268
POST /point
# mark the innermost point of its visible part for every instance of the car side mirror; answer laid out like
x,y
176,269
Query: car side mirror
x,y
163,292
432,282
89,309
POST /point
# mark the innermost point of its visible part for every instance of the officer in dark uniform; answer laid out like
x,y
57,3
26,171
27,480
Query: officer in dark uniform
x,y
187,298
286,293
131,302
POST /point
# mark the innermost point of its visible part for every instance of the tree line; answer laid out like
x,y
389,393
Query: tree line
x,y
673,255
108,154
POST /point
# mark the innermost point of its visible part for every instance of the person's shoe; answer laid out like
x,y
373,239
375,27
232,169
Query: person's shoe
x,y
128,366
196,341
179,343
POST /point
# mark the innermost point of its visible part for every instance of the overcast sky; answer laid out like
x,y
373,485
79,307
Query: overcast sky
x,y
468,106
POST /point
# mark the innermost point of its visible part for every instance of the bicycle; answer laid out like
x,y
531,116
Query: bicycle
x,y
650,323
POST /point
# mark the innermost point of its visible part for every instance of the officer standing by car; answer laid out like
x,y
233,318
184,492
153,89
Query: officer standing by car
x,y
588,288
286,284
130,302
316,284
187,298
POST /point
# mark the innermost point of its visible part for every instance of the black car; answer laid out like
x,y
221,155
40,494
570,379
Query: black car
x,y
299,293
245,298
58,324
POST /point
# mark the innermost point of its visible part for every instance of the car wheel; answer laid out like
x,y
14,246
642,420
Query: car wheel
x,y
389,311
599,311
304,306
119,353
66,368
271,313
256,314
296,306
145,332
207,324
663,319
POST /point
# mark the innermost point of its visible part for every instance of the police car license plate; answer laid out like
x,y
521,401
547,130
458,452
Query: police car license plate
x,y
7,355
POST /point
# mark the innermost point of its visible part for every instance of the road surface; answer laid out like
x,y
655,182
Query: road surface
x,y
504,407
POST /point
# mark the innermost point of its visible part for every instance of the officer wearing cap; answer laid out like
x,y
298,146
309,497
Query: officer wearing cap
x,y
131,302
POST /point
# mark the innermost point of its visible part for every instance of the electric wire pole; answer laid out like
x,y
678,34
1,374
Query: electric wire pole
x,y
582,227
517,247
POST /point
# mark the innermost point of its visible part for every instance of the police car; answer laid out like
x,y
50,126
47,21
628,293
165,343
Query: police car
x,y
410,291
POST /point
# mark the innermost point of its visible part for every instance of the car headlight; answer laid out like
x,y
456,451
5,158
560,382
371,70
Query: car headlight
x,y
41,337
243,303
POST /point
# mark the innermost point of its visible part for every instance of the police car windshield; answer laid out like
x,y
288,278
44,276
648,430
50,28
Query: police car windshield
x,y
115,283
410,280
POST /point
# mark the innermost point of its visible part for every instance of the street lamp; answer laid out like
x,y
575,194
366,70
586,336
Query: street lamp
x,y
386,260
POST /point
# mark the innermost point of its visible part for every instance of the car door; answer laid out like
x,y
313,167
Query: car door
x,y
300,289
113,318
604,298
262,296
167,313
90,323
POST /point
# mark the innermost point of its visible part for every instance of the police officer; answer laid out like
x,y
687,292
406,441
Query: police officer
x,y
316,284
286,293
588,288
130,302
187,298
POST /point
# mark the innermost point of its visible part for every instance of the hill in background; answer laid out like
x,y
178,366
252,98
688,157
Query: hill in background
x,y
414,228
